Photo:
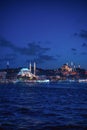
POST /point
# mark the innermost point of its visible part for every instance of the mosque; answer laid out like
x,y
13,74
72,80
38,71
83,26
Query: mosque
x,y
26,73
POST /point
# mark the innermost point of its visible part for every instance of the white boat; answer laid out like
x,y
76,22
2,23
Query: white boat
x,y
43,81
82,80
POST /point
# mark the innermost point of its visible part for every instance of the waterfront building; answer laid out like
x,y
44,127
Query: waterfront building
x,y
65,67
26,73
3,75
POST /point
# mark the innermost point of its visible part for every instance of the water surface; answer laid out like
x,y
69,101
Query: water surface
x,y
53,106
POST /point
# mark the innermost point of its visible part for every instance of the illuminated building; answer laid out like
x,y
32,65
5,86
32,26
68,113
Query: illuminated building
x,y
26,72
65,67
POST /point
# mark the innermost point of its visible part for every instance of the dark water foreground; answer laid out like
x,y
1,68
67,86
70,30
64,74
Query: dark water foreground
x,y
43,106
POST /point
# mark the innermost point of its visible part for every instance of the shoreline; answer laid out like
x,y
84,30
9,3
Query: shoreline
x,y
15,81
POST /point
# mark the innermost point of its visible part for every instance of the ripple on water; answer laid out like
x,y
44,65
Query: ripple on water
x,y
50,107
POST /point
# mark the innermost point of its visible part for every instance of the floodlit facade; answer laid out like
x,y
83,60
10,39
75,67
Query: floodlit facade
x,y
65,67
25,72
3,75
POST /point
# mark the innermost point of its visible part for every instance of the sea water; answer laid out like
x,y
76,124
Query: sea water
x,y
53,106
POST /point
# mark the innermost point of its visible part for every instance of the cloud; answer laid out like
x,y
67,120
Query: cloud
x,y
41,59
73,49
32,49
44,58
5,43
83,53
84,45
82,34
37,49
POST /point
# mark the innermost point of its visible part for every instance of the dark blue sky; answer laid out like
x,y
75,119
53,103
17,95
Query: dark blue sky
x,y
50,32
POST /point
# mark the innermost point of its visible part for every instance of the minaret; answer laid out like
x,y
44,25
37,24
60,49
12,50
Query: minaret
x,y
79,66
30,66
67,64
7,64
71,63
34,68
74,67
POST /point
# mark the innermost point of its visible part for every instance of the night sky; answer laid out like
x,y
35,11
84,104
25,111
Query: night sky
x,y
49,32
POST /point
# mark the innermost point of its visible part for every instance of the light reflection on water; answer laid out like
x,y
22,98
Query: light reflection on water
x,y
51,106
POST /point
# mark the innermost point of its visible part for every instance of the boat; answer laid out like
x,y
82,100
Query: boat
x,y
82,80
43,81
